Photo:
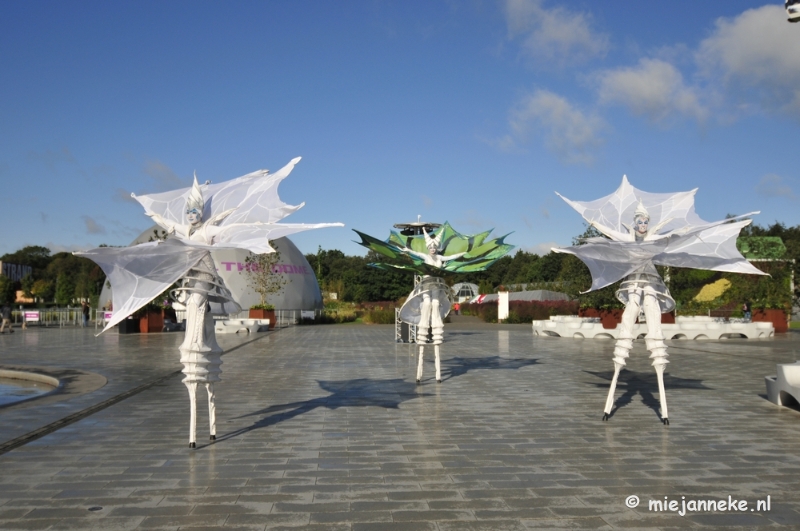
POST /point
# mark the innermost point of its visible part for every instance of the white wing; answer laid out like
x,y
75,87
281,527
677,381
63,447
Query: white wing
x,y
140,273
687,241
254,196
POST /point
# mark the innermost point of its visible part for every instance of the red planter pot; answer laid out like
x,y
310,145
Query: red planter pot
x,y
264,314
776,317
608,318
151,322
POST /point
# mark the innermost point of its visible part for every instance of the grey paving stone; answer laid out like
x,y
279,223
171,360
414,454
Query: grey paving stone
x,y
324,428
395,526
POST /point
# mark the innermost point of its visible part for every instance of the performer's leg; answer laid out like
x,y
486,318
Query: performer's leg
x,y
195,323
212,412
623,345
657,347
192,387
437,325
419,365
611,389
438,364
424,319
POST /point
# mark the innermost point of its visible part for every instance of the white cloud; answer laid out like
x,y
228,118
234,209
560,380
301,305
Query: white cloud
x,y
542,248
164,177
52,158
475,220
570,133
772,185
653,88
123,196
92,227
756,51
553,35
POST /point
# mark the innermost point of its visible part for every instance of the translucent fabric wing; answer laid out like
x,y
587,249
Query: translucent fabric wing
x,y
242,213
683,238
140,273
255,236
254,196
616,210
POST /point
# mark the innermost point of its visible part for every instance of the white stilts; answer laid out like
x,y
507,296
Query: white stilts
x,y
212,411
662,394
658,349
438,364
192,387
419,364
610,399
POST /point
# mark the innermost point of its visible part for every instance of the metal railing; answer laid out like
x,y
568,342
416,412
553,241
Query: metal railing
x,y
283,318
56,317
61,317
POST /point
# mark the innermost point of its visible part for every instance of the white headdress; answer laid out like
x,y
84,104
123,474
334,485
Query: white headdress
x,y
432,241
641,211
195,200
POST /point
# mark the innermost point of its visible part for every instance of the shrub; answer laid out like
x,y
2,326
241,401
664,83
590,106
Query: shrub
x,y
331,317
378,316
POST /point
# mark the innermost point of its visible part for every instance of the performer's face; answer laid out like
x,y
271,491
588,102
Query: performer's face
x,y
641,225
431,250
193,216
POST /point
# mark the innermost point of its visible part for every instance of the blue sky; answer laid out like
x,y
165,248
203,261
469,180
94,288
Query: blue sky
x,y
469,111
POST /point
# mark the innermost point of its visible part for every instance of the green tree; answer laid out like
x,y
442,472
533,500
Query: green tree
x,y
259,269
7,290
36,256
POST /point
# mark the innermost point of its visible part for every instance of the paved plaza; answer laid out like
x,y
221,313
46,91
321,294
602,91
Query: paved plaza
x,y
323,427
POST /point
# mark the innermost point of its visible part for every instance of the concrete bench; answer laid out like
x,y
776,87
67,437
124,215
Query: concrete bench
x,y
690,327
784,387
234,326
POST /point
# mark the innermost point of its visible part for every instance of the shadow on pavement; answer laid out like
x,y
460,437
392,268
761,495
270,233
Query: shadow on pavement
x,y
361,392
643,384
457,366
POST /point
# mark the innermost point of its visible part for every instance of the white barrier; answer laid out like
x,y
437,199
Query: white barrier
x,y
234,326
694,327
784,387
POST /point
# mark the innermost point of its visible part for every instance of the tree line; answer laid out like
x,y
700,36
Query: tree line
x,y
353,280
60,278
64,278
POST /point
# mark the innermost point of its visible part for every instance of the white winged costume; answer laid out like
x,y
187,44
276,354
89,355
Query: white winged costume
x,y
645,230
242,213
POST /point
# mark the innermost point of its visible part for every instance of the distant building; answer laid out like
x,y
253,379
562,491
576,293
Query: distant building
x,y
464,291
15,272
300,292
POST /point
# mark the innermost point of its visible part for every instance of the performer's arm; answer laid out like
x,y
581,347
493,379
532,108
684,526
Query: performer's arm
x,y
611,233
165,224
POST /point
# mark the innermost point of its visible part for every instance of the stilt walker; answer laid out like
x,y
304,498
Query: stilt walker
x,y
666,231
431,249
237,214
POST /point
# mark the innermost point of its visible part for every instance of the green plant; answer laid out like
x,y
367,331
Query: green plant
x,y
262,277
266,307
331,317
378,317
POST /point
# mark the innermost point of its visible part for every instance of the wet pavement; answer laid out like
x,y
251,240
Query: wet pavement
x,y
323,427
